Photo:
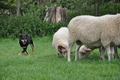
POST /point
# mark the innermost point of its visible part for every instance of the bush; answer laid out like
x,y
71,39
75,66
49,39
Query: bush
x,y
109,8
12,26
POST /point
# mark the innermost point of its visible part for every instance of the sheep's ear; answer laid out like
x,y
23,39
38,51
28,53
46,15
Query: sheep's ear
x,y
88,49
60,48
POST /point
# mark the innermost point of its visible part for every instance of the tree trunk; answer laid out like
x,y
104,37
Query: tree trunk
x,y
56,14
39,2
18,8
97,9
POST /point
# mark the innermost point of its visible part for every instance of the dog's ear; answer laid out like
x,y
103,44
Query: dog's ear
x,y
26,34
60,48
20,34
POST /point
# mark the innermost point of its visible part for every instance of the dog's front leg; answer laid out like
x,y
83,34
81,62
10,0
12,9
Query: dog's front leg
x,y
24,50
27,52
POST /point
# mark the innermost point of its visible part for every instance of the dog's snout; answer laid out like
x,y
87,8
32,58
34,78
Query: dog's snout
x,y
22,40
25,40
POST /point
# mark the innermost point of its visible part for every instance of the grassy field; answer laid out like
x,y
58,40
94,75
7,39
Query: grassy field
x,y
44,64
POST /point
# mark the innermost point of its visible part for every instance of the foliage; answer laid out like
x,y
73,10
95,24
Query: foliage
x,y
91,7
7,4
12,26
110,8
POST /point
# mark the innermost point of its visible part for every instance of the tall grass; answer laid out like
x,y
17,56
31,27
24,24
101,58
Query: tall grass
x,y
44,64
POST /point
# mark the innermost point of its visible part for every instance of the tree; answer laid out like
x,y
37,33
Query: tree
x,y
39,2
56,14
18,8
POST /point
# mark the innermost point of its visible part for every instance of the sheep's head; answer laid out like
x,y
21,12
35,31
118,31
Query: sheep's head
x,y
84,51
62,50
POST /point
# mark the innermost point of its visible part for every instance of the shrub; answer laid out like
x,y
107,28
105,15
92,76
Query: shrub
x,y
12,26
109,8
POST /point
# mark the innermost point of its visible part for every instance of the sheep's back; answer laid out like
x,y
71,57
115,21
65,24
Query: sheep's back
x,y
90,29
85,28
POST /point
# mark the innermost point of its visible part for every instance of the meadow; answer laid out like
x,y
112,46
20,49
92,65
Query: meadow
x,y
44,64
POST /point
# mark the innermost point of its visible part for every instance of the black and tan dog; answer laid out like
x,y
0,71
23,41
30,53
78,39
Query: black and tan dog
x,y
24,41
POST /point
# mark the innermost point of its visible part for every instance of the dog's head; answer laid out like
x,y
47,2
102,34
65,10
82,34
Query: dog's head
x,y
62,50
23,38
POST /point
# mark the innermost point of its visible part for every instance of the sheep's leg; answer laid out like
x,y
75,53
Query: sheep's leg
x,y
109,52
69,51
112,51
102,50
116,51
77,53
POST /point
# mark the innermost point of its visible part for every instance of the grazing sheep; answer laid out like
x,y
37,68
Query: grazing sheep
x,y
95,32
85,51
60,41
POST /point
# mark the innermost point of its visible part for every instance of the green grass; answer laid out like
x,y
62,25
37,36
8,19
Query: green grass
x,y
44,64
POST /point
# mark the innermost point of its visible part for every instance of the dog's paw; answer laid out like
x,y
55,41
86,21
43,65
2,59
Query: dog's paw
x,y
20,53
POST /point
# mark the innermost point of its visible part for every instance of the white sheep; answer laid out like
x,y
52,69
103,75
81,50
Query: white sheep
x,y
85,51
95,32
60,41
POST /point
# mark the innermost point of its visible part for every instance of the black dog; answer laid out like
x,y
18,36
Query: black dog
x,y
24,41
